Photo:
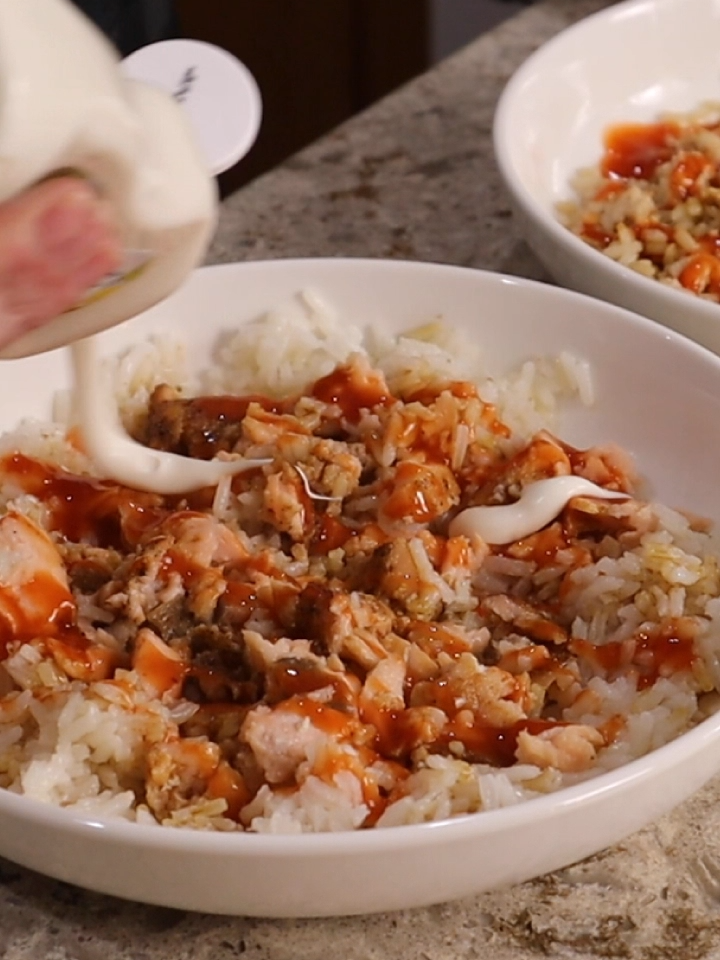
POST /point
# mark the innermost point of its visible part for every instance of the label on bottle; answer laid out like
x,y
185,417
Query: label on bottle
x,y
134,262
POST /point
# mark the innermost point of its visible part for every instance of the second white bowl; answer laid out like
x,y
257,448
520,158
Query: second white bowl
x,y
628,63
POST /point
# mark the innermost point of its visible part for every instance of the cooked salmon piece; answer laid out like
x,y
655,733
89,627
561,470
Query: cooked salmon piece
x,y
35,597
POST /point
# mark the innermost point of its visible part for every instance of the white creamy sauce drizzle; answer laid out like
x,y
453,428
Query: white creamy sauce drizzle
x,y
539,504
115,454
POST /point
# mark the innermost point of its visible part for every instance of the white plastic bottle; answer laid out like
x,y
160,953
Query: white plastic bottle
x,y
65,106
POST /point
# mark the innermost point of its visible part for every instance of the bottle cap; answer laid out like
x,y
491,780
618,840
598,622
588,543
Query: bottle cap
x,y
217,90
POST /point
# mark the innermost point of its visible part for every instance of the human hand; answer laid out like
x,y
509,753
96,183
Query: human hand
x,y
56,241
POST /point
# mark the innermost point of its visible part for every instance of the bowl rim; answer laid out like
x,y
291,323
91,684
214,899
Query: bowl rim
x,y
502,138
692,743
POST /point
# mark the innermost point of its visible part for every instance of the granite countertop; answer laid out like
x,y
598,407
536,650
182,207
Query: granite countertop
x,y
413,177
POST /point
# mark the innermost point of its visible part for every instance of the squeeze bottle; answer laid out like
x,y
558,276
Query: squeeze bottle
x,y
65,106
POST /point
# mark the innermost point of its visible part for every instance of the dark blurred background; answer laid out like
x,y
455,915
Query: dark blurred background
x,y
317,62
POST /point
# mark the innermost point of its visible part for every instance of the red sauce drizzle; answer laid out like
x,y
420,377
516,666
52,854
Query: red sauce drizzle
x,y
228,783
710,243
541,547
46,609
408,500
462,389
158,665
595,234
609,190
83,509
662,653
396,736
80,658
334,722
352,392
637,149
330,534
495,745
701,274
293,678
685,174
242,597
175,561
216,421
434,639
234,409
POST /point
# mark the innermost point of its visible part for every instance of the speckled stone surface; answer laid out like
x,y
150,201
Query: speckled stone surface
x,y
413,178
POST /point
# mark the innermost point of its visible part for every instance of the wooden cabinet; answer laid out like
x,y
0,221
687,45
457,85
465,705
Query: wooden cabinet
x,y
317,62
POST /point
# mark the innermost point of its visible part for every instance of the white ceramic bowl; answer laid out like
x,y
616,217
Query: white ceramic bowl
x,y
644,375
629,62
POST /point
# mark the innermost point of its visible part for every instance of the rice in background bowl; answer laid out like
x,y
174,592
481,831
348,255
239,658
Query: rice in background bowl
x,y
544,322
